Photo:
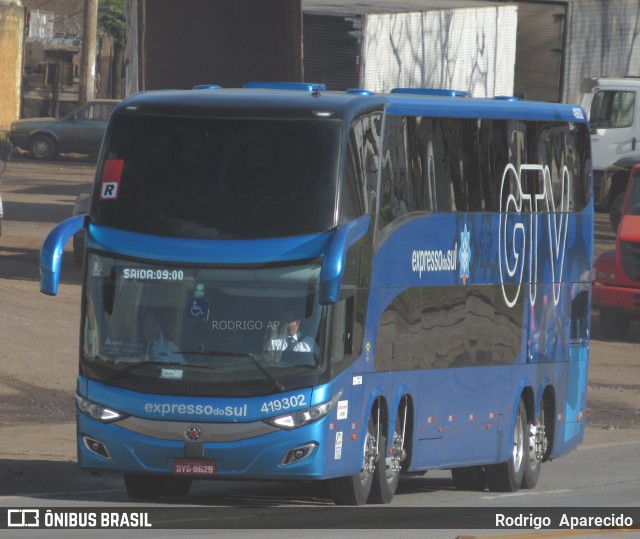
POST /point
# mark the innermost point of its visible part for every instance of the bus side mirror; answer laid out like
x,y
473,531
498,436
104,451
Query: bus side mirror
x,y
51,253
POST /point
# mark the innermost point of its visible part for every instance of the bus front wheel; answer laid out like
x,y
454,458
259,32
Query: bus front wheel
x,y
508,476
389,466
355,489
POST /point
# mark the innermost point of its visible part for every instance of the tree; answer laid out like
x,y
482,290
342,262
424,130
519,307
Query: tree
x,y
112,22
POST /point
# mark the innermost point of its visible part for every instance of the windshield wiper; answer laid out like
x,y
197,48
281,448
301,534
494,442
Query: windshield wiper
x,y
220,353
133,366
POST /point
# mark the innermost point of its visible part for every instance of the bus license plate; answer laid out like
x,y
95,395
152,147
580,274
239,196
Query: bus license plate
x,y
194,467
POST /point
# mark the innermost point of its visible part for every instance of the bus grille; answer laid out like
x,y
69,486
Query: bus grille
x,y
631,259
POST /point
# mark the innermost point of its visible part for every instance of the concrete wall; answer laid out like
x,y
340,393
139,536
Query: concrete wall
x,y
11,37
462,49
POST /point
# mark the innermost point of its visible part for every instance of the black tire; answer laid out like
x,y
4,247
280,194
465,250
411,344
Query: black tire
x,y
615,211
614,325
388,466
42,147
469,478
508,476
355,489
152,487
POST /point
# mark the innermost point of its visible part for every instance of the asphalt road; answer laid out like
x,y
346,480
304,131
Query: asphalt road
x,y
38,364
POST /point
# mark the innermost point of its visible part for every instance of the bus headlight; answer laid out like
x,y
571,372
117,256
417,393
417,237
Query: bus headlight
x,y
97,411
300,418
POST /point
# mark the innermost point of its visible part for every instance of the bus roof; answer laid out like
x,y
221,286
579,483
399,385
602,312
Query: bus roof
x,y
307,101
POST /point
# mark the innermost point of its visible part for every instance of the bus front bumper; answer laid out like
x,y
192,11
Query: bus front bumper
x,y
283,454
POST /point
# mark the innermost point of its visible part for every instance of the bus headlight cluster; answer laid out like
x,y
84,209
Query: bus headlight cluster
x,y
97,411
300,418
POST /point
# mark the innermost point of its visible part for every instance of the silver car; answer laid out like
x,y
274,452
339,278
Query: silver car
x,y
80,131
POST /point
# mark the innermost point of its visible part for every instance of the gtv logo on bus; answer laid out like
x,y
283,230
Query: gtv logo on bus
x,y
518,245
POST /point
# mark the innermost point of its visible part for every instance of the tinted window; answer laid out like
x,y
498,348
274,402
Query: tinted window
x,y
220,178
458,164
361,167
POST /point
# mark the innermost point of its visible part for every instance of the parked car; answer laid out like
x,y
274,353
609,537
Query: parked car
x,y
80,131
616,285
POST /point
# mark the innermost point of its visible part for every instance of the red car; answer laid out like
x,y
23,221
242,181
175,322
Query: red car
x,y
616,287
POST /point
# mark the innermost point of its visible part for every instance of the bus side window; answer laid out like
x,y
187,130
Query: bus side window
x,y
341,333
360,181
580,317
395,196
352,196
347,330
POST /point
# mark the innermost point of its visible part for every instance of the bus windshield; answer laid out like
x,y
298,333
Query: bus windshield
x,y
201,331
219,178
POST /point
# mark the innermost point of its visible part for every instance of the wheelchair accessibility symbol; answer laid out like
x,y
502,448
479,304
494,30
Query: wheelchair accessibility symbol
x,y
198,308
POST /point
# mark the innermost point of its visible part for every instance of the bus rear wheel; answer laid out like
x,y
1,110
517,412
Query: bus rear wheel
x,y
538,446
152,487
355,489
508,476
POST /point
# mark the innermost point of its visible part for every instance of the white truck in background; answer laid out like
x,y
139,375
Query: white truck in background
x,y
613,106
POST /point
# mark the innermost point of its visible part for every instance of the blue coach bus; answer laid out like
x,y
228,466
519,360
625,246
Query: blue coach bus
x,y
283,282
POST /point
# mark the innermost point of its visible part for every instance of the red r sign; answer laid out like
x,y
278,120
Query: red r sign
x,y
110,183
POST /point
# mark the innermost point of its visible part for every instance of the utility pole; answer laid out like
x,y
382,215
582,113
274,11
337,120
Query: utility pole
x,y
88,59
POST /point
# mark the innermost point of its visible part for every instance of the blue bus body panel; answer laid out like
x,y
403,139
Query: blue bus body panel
x,y
487,108
220,410
456,424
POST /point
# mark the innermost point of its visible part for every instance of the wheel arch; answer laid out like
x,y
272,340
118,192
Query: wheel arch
x,y
548,401
53,136
528,397
401,394
376,396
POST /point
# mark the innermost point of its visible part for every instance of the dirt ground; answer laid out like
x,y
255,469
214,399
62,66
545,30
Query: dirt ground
x,y
39,337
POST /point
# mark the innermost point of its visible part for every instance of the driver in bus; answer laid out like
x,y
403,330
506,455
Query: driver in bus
x,y
290,338
157,347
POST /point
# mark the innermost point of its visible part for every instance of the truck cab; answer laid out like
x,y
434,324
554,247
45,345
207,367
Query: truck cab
x,y
616,286
613,107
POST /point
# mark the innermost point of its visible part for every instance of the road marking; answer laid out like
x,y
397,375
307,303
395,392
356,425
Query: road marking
x,y
65,493
529,493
